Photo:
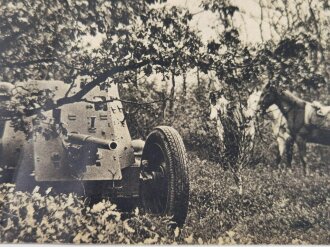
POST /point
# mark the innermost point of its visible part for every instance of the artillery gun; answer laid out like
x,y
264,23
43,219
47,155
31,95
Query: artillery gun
x,y
93,155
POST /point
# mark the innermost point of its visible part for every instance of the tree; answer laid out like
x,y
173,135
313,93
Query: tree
x,y
294,57
301,27
45,40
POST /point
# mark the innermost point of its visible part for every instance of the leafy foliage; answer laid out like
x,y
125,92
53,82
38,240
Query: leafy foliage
x,y
139,40
64,219
199,134
43,39
276,207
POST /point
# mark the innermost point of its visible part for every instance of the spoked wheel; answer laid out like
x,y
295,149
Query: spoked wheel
x,y
164,175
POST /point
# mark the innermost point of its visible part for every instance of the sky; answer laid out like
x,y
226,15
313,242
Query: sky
x,y
248,20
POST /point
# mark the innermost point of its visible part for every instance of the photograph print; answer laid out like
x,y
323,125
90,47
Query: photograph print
x,y
164,122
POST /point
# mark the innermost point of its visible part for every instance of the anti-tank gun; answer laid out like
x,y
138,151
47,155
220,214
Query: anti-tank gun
x,y
85,147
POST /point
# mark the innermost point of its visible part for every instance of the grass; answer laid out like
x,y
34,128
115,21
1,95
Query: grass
x,y
276,208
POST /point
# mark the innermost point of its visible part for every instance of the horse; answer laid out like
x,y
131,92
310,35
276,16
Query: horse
x,y
306,121
277,120
218,105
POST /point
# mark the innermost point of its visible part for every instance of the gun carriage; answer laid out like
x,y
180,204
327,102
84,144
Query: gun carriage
x,y
94,156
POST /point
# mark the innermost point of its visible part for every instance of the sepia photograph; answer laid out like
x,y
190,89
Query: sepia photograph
x,y
203,122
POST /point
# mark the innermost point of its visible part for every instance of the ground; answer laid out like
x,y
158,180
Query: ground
x,y
277,207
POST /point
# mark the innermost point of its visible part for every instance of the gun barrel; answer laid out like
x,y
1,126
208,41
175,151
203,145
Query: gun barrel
x,y
100,143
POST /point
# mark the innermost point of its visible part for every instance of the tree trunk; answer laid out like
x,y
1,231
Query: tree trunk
x,y
261,21
172,94
198,78
184,89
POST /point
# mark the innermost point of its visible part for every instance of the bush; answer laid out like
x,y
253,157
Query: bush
x,y
276,207
190,116
31,217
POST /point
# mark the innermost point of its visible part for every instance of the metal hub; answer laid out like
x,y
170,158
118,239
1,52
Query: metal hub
x,y
152,176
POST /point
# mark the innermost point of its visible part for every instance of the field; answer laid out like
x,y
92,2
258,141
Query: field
x,y
277,207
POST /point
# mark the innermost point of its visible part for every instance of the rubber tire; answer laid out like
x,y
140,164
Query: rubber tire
x,y
176,172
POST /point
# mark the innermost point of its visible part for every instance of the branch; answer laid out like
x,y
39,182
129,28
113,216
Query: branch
x,y
126,101
69,90
239,66
198,12
88,87
102,77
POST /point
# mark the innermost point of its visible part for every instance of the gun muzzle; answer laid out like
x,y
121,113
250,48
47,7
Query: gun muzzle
x,y
84,139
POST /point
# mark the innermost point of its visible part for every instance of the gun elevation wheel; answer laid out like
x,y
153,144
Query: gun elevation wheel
x,y
164,175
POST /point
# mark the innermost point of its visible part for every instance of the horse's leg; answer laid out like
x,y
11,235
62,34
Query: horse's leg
x,y
302,153
274,147
280,151
289,151
236,170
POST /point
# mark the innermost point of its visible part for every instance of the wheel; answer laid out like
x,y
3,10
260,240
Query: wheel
x,y
164,184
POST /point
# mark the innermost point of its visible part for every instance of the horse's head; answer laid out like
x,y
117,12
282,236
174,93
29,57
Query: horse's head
x,y
218,104
267,98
